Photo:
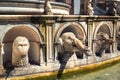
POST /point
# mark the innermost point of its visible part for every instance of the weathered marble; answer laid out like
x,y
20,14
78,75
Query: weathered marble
x,y
69,43
103,42
20,51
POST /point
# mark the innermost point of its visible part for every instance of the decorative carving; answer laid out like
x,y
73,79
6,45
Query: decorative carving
x,y
69,43
47,8
20,51
103,42
90,8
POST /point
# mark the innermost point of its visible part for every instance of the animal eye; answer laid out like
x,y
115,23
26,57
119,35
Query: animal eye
x,y
25,44
69,38
20,45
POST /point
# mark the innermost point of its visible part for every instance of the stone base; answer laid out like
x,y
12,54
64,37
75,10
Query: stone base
x,y
20,71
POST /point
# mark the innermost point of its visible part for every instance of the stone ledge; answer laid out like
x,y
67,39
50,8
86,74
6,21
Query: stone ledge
x,y
76,69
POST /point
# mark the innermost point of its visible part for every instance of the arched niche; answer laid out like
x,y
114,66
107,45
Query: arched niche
x,y
31,34
76,28
104,28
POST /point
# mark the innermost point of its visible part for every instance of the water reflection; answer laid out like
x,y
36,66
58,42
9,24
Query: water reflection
x,y
108,73
63,61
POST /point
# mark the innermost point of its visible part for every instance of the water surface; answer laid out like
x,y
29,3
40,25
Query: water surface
x,y
107,73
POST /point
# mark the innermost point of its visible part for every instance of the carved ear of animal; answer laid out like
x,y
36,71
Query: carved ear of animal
x,y
60,46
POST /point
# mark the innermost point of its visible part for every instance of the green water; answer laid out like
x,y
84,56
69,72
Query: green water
x,y
107,73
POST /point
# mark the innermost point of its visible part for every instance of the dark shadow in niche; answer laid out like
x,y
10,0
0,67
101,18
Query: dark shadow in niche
x,y
9,68
63,59
103,41
100,51
64,55
104,47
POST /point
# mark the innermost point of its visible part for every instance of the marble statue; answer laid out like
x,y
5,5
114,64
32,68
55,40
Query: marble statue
x,y
69,43
20,51
103,42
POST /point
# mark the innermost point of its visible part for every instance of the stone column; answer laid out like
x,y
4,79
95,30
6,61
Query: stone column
x,y
89,37
90,32
114,35
49,41
42,62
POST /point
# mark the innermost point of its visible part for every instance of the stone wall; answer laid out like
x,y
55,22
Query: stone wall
x,y
44,33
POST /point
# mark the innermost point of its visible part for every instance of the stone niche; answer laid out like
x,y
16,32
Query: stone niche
x,y
78,31
31,35
74,28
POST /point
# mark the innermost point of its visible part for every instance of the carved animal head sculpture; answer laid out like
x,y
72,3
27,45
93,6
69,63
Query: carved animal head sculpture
x,y
20,51
69,43
103,42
